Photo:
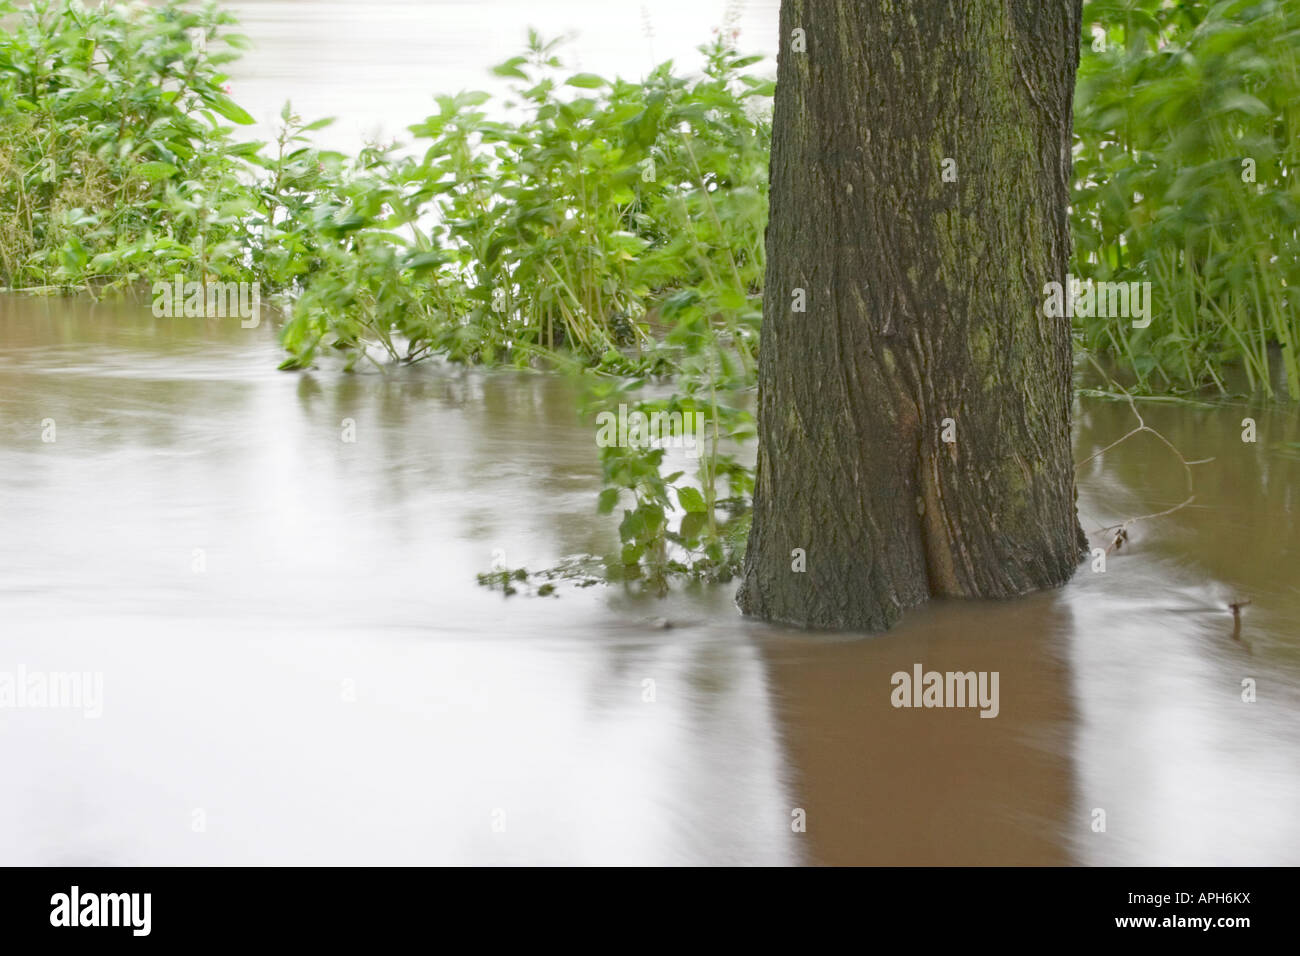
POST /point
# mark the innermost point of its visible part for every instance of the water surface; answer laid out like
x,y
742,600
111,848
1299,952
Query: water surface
x,y
299,668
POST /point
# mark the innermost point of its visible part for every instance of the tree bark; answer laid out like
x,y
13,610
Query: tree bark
x,y
924,311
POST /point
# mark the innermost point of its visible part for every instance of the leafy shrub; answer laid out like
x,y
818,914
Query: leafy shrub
x,y
114,164
610,216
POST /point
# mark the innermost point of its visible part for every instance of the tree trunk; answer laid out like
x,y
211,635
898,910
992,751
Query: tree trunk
x,y
914,421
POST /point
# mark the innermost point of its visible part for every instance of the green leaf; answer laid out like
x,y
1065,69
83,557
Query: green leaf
x,y
423,261
248,150
228,108
691,499
692,525
155,171
732,298
1244,102
586,81
511,68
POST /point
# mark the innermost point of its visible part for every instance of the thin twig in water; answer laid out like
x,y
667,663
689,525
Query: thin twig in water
x,y
1121,529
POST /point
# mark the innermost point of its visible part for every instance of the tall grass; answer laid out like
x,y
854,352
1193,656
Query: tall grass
x,y
1186,155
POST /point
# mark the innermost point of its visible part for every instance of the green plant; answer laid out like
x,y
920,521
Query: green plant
x,y
612,221
114,163
1185,177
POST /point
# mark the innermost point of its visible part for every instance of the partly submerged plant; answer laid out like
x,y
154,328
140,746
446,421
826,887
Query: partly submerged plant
x,y
611,216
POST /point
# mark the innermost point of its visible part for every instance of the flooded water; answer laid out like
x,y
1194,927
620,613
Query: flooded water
x,y
297,666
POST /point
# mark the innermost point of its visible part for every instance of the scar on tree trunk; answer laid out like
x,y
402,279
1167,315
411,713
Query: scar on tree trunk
x,y
914,400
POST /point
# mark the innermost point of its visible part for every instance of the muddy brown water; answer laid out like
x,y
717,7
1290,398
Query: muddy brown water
x,y
297,666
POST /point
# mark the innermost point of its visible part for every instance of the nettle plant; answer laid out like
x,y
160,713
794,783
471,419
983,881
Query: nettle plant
x,y
612,226
693,521
114,161
607,220
1186,154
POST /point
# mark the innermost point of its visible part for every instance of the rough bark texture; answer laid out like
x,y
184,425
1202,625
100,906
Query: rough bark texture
x,y
924,303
